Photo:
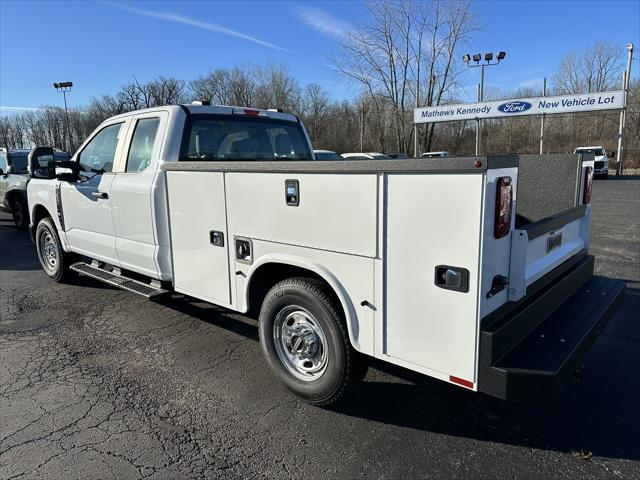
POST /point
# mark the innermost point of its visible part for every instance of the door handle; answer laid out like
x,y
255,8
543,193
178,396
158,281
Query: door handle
x,y
103,195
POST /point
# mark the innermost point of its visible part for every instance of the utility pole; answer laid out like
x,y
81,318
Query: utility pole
x,y
65,87
544,94
362,127
623,112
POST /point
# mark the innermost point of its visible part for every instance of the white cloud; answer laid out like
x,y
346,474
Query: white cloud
x,y
323,23
212,27
18,109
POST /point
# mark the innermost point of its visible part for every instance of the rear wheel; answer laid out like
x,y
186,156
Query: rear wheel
x,y
20,213
305,341
54,260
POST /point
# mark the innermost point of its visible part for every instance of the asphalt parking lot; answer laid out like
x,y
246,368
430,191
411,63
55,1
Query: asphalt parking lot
x,y
99,383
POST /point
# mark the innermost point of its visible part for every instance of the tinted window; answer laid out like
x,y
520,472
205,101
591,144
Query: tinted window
x,y
227,137
144,137
98,156
19,164
595,151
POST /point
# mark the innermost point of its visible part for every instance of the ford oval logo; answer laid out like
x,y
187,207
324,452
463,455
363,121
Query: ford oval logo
x,y
514,107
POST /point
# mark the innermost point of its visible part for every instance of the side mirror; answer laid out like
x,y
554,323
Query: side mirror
x,y
1,173
41,163
66,170
611,154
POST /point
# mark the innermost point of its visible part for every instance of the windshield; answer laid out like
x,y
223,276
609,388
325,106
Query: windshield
x,y
327,156
596,151
19,164
230,137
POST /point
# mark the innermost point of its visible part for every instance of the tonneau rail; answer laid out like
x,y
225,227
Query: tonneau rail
x,y
411,165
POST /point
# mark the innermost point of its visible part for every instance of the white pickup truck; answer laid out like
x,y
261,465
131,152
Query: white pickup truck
x,y
472,270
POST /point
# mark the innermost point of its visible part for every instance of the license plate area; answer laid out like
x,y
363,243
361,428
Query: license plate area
x,y
554,240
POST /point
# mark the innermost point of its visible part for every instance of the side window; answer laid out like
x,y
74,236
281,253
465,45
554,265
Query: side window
x,y
98,156
144,137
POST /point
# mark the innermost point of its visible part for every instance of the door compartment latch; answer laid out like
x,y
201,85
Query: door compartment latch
x,y
452,278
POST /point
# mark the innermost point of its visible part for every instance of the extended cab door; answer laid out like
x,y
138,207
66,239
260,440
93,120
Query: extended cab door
x,y
86,203
135,196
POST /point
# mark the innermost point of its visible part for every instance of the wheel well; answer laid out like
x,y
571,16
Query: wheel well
x,y
39,212
269,274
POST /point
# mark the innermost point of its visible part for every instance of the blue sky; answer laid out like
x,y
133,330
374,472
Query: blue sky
x,y
100,45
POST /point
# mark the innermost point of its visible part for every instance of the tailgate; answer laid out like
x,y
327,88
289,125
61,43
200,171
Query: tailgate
x,y
541,246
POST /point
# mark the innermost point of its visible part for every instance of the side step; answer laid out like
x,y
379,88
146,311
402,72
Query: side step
x,y
119,281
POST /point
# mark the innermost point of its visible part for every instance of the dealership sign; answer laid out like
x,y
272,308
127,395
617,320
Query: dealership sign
x,y
520,107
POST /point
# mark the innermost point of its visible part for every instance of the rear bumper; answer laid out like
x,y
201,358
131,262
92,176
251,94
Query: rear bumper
x,y
530,351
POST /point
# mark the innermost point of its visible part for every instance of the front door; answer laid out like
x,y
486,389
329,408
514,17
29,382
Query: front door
x,y
86,203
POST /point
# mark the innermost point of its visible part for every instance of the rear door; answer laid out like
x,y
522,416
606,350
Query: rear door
x,y
132,193
86,204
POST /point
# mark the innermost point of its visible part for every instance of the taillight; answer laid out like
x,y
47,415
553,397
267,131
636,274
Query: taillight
x,y
504,202
588,184
251,112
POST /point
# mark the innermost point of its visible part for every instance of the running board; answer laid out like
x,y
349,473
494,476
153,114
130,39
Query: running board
x,y
119,281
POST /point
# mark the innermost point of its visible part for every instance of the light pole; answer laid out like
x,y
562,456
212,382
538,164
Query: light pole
x,y
65,87
488,58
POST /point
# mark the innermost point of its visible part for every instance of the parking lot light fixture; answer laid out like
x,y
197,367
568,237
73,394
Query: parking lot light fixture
x,y
466,58
488,57
65,87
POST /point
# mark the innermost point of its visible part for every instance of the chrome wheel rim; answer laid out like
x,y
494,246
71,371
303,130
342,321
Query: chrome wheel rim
x,y
48,250
300,343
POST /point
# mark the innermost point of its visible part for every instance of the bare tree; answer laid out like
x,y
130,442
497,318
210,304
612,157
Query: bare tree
x,y
405,44
595,69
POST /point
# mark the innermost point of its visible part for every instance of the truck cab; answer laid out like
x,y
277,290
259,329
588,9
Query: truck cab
x,y
451,267
601,160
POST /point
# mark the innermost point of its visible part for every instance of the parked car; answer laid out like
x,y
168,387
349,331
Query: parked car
x,y
601,164
14,176
365,156
399,156
326,155
442,154
425,265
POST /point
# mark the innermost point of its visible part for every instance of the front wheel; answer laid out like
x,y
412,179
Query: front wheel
x,y
54,260
305,341
20,213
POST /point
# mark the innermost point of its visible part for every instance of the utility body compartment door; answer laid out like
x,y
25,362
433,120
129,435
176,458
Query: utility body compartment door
x,y
199,243
433,221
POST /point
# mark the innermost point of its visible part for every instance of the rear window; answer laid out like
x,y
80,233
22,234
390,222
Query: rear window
x,y
229,137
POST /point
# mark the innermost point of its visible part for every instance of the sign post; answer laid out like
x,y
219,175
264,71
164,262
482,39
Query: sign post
x,y
623,112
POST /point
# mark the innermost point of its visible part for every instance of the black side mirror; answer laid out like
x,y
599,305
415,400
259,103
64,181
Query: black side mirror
x,y
41,163
66,170
1,173
611,154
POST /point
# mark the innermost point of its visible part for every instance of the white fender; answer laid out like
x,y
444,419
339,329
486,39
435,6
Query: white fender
x,y
325,274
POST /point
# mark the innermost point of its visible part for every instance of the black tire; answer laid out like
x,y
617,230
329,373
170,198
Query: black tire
x,y
54,260
308,299
20,213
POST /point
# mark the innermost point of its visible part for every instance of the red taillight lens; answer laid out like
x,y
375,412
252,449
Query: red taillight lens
x,y
504,201
588,184
251,112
